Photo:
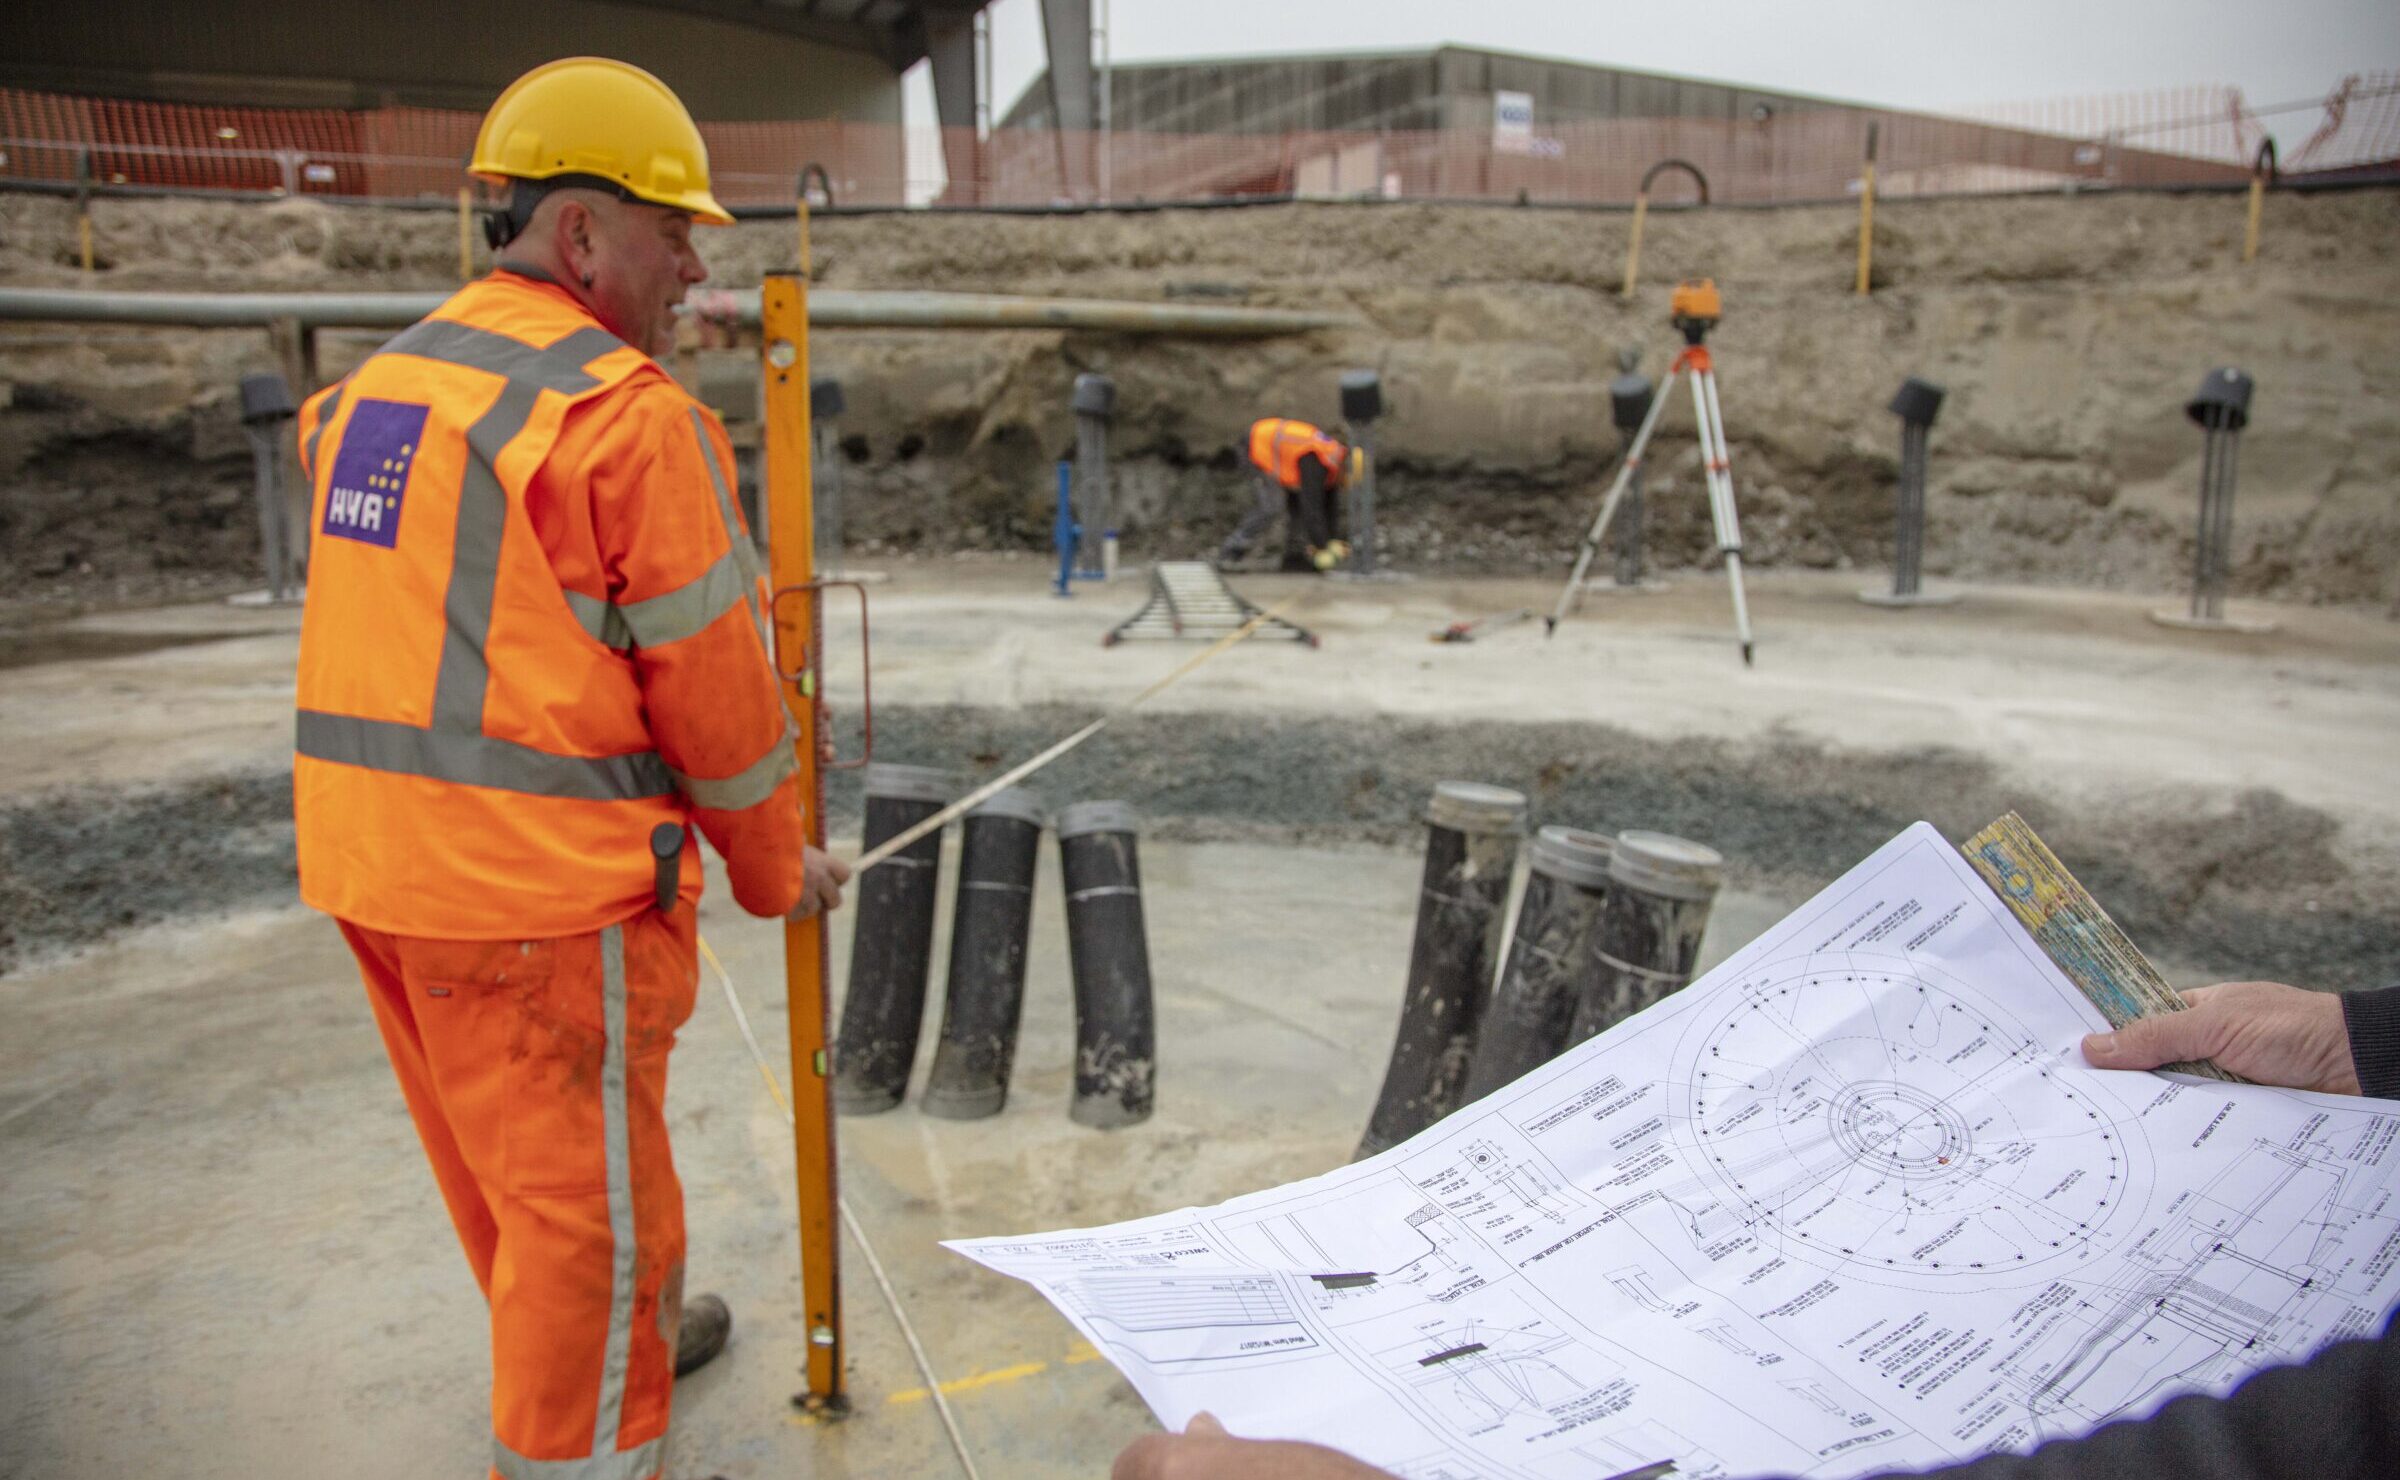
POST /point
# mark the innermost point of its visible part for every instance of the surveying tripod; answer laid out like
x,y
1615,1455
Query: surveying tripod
x,y
1695,309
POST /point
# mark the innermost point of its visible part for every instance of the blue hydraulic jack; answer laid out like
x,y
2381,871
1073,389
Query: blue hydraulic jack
x,y
1065,533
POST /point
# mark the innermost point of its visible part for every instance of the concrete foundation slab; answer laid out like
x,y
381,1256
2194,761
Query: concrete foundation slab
x,y
226,1256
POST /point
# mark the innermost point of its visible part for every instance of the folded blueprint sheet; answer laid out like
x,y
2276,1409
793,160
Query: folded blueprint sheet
x,y
1850,1202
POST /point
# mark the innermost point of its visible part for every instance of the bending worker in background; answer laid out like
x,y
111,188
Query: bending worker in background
x,y
533,657
2335,1416
1298,470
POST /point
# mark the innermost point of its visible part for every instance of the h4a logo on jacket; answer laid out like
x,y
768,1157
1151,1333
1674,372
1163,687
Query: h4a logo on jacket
x,y
371,472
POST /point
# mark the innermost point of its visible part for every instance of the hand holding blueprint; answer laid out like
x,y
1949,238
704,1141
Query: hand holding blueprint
x,y
1851,1202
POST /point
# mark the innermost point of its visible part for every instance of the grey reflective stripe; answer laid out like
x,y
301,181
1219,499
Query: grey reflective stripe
x,y
745,554
638,1463
615,1135
453,746
686,611
743,550
753,785
479,760
464,675
658,620
333,403
460,683
598,618
557,368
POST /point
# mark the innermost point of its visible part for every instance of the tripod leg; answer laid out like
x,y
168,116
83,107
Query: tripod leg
x,y
1626,473
1719,461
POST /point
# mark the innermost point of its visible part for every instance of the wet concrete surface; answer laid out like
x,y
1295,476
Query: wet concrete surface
x,y
206,690
82,645
226,1255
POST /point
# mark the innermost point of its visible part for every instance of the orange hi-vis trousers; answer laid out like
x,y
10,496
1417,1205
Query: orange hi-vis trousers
x,y
537,1075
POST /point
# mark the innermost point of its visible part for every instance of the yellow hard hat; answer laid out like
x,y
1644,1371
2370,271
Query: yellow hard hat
x,y
609,120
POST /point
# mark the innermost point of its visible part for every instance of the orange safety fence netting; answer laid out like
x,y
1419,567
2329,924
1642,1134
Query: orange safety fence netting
x,y
2191,136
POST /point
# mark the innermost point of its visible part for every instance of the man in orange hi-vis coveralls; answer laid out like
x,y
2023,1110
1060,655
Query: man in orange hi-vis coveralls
x,y
533,657
1297,469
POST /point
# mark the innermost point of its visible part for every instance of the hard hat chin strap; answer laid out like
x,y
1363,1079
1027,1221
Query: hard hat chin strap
x,y
503,224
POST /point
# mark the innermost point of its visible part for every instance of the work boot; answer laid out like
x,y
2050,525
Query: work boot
x,y
706,1324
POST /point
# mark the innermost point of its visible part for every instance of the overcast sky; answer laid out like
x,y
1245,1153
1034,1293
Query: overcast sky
x,y
1903,53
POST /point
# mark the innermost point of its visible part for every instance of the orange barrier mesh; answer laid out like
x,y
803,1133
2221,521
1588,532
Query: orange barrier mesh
x,y
2188,136
2361,128
121,142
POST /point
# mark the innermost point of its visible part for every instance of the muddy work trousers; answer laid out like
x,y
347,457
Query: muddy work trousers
x,y
1308,521
537,1074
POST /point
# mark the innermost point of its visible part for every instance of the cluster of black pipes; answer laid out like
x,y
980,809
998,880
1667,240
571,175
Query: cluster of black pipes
x,y
891,954
1606,926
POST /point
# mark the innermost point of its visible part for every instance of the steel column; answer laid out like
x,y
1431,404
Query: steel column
x,y
1094,401
1067,37
2221,409
950,53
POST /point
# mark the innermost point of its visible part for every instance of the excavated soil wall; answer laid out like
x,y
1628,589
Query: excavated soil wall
x,y
2068,330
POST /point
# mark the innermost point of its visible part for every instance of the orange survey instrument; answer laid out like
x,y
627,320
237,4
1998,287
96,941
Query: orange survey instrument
x,y
1695,300
799,644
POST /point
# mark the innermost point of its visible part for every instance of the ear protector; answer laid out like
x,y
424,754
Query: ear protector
x,y
503,224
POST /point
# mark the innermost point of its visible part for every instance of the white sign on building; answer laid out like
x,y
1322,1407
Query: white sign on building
x,y
1512,123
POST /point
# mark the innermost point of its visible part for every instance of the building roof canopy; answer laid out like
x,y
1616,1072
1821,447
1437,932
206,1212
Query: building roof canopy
x,y
896,31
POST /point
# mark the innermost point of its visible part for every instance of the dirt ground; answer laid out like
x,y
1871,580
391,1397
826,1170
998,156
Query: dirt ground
x,y
2068,331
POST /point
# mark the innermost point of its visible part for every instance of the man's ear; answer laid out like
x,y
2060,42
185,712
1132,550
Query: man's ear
x,y
577,231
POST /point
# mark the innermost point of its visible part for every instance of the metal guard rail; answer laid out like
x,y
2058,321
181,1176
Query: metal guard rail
x,y
829,308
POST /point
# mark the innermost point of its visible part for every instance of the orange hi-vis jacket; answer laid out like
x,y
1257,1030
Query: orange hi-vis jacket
x,y
1278,443
534,632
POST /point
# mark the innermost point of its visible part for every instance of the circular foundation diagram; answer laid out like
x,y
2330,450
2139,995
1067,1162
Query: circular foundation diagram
x,y
1898,1128
1887,1122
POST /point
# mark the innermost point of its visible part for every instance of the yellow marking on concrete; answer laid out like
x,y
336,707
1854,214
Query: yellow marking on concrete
x,y
1084,1352
971,1382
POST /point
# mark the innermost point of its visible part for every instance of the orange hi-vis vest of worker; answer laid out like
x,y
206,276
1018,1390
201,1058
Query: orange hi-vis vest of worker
x,y
495,711
1278,443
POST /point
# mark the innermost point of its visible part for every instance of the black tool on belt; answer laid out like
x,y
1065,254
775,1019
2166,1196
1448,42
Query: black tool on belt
x,y
666,845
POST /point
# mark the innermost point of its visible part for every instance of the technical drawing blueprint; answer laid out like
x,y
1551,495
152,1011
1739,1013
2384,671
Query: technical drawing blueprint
x,y
1850,1202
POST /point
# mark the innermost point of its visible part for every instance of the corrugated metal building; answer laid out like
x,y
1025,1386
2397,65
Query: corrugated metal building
x,y
1449,87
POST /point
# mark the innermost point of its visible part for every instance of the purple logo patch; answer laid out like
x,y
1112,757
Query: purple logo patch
x,y
371,471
